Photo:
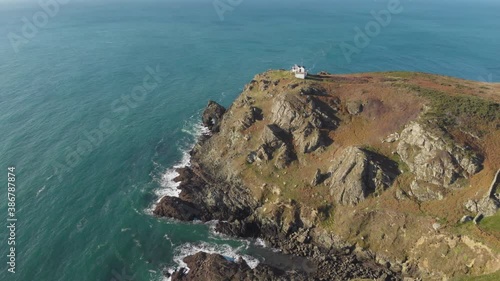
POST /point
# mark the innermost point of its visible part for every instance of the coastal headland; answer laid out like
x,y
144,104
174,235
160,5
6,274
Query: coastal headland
x,y
385,176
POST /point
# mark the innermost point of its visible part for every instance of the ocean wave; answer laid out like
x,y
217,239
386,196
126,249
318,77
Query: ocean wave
x,y
168,187
40,190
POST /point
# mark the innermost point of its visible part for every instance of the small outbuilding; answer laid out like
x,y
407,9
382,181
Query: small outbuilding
x,y
299,71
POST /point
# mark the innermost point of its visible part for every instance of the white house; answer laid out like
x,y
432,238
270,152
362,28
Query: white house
x,y
299,71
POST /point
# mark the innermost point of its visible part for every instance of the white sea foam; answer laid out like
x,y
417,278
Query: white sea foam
x,y
214,234
168,186
260,242
169,240
40,190
222,249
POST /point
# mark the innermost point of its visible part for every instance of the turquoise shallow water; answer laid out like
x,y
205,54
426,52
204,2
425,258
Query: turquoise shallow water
x,y
91,221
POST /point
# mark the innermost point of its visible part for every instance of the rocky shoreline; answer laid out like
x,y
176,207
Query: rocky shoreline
x,y
206,198
236,219
247,175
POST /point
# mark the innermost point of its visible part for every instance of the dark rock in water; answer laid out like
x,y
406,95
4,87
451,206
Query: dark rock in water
x,y
239,228
177,208
214,267
299,255
212,116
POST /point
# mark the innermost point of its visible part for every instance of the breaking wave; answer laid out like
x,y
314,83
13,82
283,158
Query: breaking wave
x,y
193,130
225,250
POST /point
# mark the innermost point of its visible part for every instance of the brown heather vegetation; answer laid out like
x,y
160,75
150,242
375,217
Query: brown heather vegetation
x,y
468,111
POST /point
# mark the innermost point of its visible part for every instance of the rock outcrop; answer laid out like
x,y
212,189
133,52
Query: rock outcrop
x,y
434,160
306,119
490,203
276,144
358,173
212,116
291,112
252,115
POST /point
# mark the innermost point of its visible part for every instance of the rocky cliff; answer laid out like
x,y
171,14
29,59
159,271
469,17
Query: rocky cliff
x,y
363,175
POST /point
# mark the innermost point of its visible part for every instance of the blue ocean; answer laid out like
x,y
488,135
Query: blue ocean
x,y
100,99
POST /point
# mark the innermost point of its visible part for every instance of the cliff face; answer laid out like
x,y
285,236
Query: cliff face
x,y
369,169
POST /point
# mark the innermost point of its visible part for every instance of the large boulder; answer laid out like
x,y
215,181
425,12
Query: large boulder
x,y
177,208
274,137
212,116
214,267
490,203
357,173
306,119
286,113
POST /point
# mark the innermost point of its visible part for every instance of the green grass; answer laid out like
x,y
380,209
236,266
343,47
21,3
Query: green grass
x,y
278,74
401,74
371,148
402,166
326,214
458,110
489,277
491,223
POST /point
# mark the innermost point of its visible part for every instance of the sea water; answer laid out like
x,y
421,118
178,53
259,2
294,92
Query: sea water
x,y
100,99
